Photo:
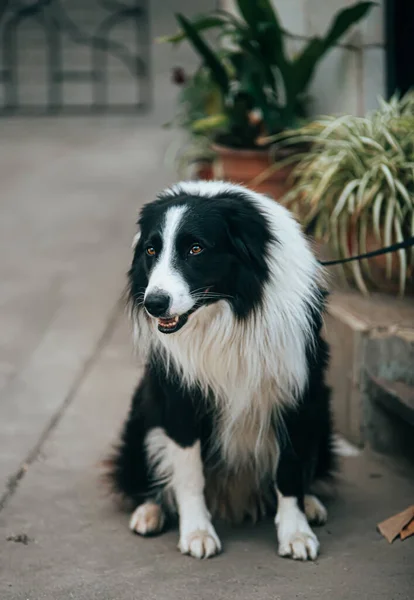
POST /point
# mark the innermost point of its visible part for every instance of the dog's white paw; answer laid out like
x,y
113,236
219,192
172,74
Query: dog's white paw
x,y
300,545
200,543
296,538
315,511
147,519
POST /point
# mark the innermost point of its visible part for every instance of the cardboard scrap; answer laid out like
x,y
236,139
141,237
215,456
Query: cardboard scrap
x,y
400,525
408,530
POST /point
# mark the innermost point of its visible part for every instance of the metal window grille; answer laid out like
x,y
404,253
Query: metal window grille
x,y
106,38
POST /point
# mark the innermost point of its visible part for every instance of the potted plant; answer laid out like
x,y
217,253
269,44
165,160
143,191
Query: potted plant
x,y
354,189
198,98
261,89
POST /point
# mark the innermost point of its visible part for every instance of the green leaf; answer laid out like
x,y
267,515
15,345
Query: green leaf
x,y
208,123
401,255
251,74
343,245
334,239
376,215
249,62
325,181
392,141
344,19
388,177
412,233
369,142
208,56
389,217
305,64
405,195
203,23
351,204
363,230
257,13
361,189
267,32
355,267
346,192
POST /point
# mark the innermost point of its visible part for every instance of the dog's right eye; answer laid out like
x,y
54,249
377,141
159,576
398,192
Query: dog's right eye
x,y
151,251
195,249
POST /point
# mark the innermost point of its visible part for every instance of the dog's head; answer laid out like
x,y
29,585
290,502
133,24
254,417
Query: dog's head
x,y
198,244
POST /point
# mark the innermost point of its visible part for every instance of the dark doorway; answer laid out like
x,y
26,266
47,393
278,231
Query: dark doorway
x,y
399,35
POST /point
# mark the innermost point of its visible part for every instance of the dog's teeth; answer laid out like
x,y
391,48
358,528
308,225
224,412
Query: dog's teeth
x,y
169,323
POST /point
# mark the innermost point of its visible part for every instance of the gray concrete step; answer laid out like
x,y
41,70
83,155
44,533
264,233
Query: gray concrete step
x,y
372,368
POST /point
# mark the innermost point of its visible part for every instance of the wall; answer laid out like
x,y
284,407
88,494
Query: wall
x,y
88,15
350,78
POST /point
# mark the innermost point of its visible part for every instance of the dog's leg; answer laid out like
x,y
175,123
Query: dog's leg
x,y
197,534
183,467
296,538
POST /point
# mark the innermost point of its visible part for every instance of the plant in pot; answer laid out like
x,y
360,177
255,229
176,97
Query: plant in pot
x,y
198,99
262,89
354,190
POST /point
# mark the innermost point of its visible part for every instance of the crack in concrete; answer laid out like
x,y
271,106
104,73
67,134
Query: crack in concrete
x,y
15,479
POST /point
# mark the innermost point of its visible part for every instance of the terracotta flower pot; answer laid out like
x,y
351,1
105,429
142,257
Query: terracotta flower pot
x,y
244,166
204,170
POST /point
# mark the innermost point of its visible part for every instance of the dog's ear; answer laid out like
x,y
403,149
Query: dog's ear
x,y
249,237
240,243
136,240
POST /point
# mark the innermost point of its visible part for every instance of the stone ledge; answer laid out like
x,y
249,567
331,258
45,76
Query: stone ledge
x,y
395,396
369,337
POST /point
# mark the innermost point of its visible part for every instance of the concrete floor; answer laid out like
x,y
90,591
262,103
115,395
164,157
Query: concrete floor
x,y
80,546
70,192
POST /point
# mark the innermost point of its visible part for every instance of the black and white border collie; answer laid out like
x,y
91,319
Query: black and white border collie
x,y
231,417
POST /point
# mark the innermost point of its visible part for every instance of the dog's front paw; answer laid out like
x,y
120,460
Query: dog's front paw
x,y
147,519
315,511
200,543
300,545
296,538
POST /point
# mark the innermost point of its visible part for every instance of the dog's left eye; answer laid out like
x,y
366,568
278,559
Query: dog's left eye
x,y
195,249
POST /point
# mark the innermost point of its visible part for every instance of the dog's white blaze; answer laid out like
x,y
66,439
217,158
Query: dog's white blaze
x,y
182,469
164,276
256,367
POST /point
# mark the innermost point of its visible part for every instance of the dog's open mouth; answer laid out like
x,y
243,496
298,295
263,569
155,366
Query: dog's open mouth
x,y
172,324
168,325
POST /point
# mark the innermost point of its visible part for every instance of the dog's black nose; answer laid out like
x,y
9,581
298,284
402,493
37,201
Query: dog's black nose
x,y
157,303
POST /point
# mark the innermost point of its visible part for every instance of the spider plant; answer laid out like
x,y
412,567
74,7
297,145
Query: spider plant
x,y
357,181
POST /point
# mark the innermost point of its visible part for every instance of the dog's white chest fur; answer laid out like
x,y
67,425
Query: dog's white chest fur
x,y
248,441
227,361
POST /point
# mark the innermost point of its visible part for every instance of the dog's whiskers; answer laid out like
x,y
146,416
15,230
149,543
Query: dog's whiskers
x,y
200,295
212,297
